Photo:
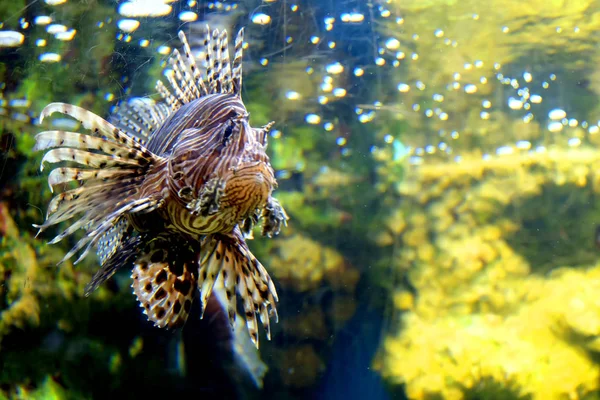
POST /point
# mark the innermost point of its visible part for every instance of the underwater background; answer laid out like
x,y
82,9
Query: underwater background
x,y
438,160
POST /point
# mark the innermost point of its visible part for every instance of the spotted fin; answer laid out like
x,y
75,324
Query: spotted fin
x,y
228,257
164,282
185,79
100,173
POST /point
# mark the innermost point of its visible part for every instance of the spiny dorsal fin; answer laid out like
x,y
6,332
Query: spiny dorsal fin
x,y
139,118
185,79
237,63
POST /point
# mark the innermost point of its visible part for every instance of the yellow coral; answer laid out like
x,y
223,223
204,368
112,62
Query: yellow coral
x,y
304,264
29,281
479,313
441,355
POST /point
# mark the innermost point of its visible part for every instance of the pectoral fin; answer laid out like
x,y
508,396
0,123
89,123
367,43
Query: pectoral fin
x,y
228,256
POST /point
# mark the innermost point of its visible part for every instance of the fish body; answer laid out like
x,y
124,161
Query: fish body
x,y
174,189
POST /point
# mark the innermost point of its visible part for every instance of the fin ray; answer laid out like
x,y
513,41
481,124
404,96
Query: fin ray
x,y
227,256
164,291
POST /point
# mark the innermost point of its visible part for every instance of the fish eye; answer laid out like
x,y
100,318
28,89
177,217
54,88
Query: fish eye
x,y
228,132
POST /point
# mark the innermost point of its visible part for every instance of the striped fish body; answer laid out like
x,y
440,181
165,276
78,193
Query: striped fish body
x,y
173,189
217,172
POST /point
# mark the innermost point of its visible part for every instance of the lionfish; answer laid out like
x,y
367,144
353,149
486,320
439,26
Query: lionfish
x,y
172,189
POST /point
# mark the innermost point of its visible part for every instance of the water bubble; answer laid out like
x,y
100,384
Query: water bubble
x,y
128,25
261,19
164,50
403,87
527,77
438,33
352,17
291,95
505,150
392,44
339,92
50,57
144,8
515,104
11,39
315,40
536,98
358,71
42,20
470,88
574,142
334,68
312,119
555,126
55,28
557,114
188,16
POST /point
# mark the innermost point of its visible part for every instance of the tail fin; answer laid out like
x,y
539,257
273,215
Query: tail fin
x,y
228,257
109,166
